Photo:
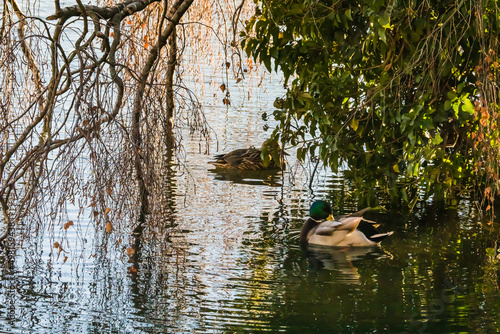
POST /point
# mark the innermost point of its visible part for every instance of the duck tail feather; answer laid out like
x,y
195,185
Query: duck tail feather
x,y
381,236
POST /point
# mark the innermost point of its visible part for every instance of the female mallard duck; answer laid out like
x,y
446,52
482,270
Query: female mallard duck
x,y
250,158
352,230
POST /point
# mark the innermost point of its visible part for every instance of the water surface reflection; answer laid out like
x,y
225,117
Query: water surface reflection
x,y
222,255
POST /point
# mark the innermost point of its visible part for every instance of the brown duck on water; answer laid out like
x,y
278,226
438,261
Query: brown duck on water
x,y
250,158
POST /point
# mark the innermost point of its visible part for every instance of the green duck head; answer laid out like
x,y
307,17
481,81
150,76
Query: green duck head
x,y
320,210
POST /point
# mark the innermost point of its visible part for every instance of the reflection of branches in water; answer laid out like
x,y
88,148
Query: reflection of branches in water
x,y
98,116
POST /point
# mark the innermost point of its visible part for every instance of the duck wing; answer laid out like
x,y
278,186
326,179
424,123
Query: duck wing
x,y
348,224
231,159
327,227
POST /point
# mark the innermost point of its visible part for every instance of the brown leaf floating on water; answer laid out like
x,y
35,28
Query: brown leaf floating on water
x,y
68,224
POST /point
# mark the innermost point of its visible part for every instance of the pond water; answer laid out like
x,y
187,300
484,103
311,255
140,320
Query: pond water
x,y
229,260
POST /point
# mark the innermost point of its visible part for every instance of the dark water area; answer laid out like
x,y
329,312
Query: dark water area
x,y
234,265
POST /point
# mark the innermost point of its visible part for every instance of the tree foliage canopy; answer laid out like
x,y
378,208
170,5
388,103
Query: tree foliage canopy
x,y
400,95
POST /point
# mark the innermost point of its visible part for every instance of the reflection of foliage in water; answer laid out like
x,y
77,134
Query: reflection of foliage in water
x,y
427,278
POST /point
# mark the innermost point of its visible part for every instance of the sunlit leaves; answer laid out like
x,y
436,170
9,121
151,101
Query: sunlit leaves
x,y
377,81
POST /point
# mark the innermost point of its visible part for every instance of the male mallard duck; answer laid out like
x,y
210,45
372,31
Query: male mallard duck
x,y
250,158
351,230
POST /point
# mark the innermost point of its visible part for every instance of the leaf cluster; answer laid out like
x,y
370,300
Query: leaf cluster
x,y
390,92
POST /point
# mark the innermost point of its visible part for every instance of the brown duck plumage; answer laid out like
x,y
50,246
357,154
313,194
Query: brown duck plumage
x,y
246,159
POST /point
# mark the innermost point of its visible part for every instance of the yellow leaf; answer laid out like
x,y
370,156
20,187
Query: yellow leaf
x,y
354,124
396,168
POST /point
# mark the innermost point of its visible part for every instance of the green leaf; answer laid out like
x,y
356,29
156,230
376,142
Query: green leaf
x,y
468,107
296,9
451,95
305,96
381,34
437,139
490,251
348,14
273,52
385,21
267,63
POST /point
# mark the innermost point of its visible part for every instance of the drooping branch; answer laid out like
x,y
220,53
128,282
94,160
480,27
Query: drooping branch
x,y
178,9
32,65
125,8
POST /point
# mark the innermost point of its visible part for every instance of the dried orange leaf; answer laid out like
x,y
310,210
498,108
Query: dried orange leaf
x,y
68,224
223,87
65,259
109,227
108,210
108,191
56,245
132,270
130,251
